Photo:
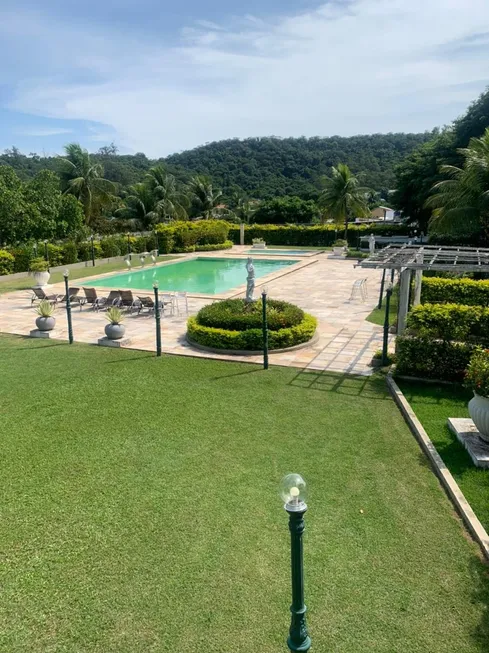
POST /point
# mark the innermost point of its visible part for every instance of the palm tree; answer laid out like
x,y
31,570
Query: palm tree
x,y
206,196
461,202
171,201
84,179
140,206
343,197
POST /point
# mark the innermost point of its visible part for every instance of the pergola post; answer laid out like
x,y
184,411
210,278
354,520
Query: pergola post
x,y
418,281
404,287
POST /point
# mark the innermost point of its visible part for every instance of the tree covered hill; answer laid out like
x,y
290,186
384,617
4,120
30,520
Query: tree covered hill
x,y
262,167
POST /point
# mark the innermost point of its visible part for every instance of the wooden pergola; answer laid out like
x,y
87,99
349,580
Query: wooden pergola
x,y
410,258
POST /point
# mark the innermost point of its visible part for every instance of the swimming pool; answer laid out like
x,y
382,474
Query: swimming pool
x,y
207,276
284,252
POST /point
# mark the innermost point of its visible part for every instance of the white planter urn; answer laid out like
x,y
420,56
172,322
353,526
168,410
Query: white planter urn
x,y
45,323
479,412
339,251
41,279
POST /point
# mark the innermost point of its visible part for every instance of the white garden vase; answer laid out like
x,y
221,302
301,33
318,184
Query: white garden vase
x,y
41,279
339,251
479,412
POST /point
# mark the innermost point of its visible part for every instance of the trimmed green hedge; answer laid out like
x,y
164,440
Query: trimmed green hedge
x,y
237,315
450,322
251,339
437,290
186,236
432,359
214,248
315,236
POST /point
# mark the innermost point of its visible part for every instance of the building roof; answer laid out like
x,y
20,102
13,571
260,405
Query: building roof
x,y
429,257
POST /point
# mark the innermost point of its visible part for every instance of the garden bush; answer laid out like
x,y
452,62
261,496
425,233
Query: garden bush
x,y
139,244
315,236
436,290
23,256
214,248
6,262
238,315
55,255
450,322
251,339
110,247
185,236
432,359
85,251
70,253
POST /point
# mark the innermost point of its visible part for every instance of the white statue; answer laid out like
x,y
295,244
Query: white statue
x,y
371,244
142,259
153,256
127,261
250,280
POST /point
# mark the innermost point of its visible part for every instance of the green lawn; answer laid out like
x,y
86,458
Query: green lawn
x,y
9,285
434,404
377,316
140,511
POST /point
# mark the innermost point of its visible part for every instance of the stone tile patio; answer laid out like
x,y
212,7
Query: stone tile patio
x,y
345,344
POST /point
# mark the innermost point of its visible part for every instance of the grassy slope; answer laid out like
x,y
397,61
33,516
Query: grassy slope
x,y
434,405
10,285
140,511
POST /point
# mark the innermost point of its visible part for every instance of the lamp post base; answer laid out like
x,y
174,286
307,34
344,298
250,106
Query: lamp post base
x,y
304,646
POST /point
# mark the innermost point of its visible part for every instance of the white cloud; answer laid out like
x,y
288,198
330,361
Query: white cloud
x,y
43,131
346,68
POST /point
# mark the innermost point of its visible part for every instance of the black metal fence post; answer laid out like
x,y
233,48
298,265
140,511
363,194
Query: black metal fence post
x,y
382,283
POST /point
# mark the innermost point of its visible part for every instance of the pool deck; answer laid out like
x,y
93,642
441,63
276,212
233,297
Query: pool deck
x,y
321,285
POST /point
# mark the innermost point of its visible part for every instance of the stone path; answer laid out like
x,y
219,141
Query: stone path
x,y
346,341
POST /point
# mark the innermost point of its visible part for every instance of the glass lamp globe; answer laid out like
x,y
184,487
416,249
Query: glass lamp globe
x,y
293,492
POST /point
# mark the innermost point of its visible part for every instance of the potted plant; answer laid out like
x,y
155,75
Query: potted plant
x,y
259,243
39,268
340,248
115,330
477,379
45,320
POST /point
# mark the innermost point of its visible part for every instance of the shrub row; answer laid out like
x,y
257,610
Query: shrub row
x,y
237,315
251,339
215,247
436,290
315,236
432,359
450,322
187,236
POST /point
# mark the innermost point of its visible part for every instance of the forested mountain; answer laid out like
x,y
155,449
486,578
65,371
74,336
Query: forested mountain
x,y
417,174
265,167
262,167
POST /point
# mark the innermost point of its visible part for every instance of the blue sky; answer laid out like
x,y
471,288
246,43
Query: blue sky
x,y
161,79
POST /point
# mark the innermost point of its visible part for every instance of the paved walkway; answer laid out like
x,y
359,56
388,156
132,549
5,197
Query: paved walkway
x,y
346,340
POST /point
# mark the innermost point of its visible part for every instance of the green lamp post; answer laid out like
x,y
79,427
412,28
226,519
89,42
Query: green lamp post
x,y
157,319
385,340
264,328
66,274
293,493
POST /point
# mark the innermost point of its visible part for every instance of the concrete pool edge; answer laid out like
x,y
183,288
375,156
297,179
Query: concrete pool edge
x,y
233,292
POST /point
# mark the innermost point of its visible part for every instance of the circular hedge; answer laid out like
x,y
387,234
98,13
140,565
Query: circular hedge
x,y
235,325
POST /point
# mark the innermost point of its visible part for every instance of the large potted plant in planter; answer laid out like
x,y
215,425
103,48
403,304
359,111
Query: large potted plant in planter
x,y
477,379
340,248
258,243
115,330
45,320
39,268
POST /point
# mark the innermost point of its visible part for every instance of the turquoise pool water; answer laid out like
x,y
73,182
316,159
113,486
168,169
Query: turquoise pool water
x,y
208,276
284,252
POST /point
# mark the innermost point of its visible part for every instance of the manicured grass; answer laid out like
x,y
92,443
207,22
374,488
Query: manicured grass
x,y
434,404
377,316
10,285
140,511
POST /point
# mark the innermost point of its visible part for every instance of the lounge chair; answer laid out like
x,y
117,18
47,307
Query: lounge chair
x,y
74,299
148,302
128,302
97,302
39,296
